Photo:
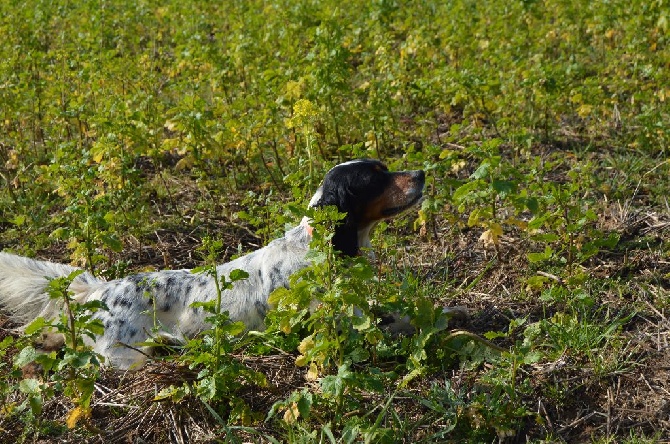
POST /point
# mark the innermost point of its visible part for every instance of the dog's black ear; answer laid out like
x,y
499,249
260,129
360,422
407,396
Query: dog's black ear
x,y
335,195
345,238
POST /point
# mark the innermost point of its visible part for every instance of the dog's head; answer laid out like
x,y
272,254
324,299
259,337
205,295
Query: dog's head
x,y
367,192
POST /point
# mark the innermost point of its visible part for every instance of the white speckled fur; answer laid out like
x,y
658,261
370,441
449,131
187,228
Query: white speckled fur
x,y
170,293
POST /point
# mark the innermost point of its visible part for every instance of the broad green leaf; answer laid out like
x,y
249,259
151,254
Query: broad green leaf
x,y
25,356
238,275
112,242
465,189
305,404
30,386
532,357
359,355
35,326
539,257
483,171
503,187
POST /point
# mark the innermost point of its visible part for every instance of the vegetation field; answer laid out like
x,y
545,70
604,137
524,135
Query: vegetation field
x,y
144,135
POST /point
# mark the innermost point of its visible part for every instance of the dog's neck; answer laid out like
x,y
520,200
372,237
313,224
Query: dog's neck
x,y
347,240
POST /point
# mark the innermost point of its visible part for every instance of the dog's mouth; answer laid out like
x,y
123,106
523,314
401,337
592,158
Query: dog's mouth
x,y
393,211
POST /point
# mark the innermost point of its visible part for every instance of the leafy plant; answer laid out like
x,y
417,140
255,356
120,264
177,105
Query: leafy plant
x,y
494,192
569,220
219,373
341,335
76,368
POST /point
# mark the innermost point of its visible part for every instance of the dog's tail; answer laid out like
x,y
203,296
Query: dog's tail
x,y
23,284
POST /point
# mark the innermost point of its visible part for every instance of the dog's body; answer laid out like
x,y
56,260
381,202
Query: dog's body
x,y
363,189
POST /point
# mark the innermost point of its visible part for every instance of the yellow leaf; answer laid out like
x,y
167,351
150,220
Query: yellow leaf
x,y
12,160
301,361
312,373
445,153
457,166
171,125
184,163
72,243
294,89
584,110
292,413
521,224
74,416
491,236
487,238
8,409
306,344
496,229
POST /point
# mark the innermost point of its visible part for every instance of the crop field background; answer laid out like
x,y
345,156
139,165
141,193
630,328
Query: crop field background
x,y
143,135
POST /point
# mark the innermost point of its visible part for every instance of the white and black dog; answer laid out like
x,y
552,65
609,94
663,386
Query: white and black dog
x,y
363,189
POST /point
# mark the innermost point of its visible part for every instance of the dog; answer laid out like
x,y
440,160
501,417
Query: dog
x,y
365,190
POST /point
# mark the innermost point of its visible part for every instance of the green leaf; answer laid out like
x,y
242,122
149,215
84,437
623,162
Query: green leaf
x,y
305,404
95,327
237,275
25,356
30,386
234,328
539,257
334,385
483,171
316,257
359,355
112,242
425,313
409,377
6,342
94,305
207,387
545,237
536,282
76,359
361,322
503,187
533,357
532,204
465,189
35,326
361,270
19,220
86,387
278,296
36,404
537,222
175,394
494,335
